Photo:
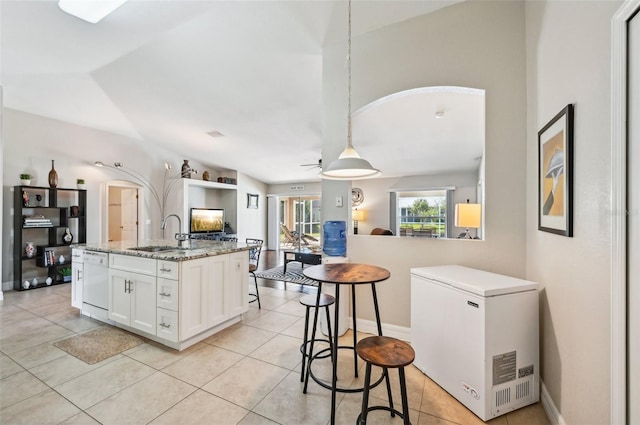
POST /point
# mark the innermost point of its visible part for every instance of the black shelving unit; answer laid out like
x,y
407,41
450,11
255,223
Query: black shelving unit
x,y
54,209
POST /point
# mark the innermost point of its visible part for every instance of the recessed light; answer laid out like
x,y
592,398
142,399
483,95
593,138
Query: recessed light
x,y
439,114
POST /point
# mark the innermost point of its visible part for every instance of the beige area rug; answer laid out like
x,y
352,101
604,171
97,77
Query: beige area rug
x,y
99,344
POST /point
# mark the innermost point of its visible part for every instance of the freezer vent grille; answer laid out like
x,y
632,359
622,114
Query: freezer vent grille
x,y
503,397
523,390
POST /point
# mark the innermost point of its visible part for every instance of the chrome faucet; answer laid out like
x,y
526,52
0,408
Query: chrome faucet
x,y
180,237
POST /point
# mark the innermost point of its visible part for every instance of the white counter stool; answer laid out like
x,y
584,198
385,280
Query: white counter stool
x,y
315,301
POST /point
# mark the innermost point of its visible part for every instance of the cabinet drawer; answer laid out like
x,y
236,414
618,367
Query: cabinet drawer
x,y
132,263
167,324
167,294
168,269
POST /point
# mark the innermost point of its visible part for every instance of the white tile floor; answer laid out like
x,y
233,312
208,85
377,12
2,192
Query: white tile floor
x,y
247,374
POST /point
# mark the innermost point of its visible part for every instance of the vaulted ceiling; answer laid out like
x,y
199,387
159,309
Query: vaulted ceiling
x,y
176,73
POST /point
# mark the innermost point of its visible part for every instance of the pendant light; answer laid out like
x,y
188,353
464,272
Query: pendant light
x,y
349,165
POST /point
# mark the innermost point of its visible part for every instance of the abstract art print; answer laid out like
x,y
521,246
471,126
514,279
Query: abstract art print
x,y
555,174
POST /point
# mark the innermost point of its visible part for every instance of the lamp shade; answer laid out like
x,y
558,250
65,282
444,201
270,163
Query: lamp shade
x,y
468,215
349,166
90,10
359,215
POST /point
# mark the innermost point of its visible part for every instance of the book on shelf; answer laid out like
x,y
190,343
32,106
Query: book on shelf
x,y
36,221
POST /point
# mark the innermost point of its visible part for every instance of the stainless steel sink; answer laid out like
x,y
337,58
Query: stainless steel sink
x,y
154,248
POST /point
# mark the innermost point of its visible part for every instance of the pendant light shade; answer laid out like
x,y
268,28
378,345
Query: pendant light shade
x,y
349,165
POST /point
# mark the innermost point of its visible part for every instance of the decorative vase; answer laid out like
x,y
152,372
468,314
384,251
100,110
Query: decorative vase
x,y
49,281
26,284
25,182
53,176
186,170
34,283
205,176
67,237
29,250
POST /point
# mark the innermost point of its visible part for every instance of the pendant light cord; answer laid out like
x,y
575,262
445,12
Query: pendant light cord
x,y
349,143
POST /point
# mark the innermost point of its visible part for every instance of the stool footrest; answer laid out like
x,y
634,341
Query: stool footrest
x,y
387,408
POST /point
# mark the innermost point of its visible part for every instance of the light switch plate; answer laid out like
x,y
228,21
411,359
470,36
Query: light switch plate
x,y
339,201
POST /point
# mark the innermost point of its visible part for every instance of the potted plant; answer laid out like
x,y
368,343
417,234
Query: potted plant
x,y
25,179
65,272
80,183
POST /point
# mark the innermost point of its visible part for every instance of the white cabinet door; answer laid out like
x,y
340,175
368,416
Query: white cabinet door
x,y
193,297
142,289
119,298
237,283
132,300
217,305
76,284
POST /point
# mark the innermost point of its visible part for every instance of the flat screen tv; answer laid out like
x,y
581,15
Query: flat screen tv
x,y
206,220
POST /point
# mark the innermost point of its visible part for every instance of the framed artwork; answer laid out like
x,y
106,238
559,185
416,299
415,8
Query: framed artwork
x,y
252,200
555,174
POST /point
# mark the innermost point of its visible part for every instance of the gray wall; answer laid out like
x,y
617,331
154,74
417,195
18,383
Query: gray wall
x,y
568,61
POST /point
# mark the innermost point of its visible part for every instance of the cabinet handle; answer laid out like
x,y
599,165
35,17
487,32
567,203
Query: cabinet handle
x,y
162,294
164,325
162,269
131,282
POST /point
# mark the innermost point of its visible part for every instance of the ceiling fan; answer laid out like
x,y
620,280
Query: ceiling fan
x,y
312,166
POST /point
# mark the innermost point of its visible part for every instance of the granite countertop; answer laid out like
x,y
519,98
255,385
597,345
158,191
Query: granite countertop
x,y
197,249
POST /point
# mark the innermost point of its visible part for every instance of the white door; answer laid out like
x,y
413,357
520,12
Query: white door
x,y
129,215
633,230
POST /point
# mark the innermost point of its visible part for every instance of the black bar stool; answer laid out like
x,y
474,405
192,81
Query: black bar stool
x,y
313,301
385,352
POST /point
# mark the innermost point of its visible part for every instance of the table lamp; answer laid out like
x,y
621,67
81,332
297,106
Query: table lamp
x,y
358,215
468,216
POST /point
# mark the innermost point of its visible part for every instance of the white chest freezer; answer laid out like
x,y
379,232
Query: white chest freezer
x,y
476,335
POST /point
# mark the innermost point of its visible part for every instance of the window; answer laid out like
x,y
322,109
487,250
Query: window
x,y
422,213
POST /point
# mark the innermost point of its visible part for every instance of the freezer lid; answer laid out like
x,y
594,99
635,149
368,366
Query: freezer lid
x,y
479,282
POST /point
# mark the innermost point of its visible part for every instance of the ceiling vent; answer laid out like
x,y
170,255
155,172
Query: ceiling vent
x,y
215,133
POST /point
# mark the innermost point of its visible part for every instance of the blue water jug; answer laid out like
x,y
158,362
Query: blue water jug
x,y
335,238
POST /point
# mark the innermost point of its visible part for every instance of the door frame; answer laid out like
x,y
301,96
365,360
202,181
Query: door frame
x,y
618,397
104,235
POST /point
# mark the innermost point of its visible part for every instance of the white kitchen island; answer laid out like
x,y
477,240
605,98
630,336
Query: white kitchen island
x,y
173,296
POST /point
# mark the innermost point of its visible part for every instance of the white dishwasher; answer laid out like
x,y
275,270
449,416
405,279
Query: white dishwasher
x,y
476,335
95,285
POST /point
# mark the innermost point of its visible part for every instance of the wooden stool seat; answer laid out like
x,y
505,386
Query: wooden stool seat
x,y
310,300
316,302
387,353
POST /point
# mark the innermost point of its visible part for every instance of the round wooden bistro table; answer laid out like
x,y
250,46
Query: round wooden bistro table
x,y
345,274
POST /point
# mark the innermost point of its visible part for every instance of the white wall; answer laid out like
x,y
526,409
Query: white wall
x,y
568,61
252,223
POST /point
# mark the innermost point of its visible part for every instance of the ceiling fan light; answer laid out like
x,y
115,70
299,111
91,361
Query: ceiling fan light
x,y
90,10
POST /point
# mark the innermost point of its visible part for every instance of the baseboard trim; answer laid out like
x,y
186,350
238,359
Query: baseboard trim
x,y
369,326
7,286
549,407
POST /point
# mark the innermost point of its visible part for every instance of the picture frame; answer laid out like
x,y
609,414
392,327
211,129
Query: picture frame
x,y
252,200
555,174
